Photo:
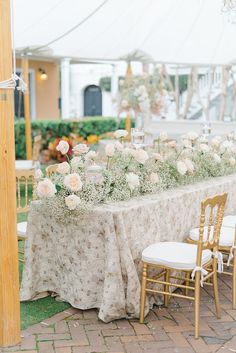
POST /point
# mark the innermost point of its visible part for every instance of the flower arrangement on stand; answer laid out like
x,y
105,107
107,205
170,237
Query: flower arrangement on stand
x,y
85,179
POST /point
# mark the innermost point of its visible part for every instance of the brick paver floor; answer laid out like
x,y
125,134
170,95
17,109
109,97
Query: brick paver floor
x,y
165,331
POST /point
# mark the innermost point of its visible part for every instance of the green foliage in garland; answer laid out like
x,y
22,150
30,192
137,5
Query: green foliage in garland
x,y
51,129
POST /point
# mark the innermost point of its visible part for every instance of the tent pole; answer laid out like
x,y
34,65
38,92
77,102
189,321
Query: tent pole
x,y
28,138
9,280
128,117
177,92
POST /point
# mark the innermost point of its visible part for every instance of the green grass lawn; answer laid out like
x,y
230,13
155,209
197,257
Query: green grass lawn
x,y
36,311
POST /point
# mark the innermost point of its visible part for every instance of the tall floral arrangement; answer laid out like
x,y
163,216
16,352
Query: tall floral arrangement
x,y
124,172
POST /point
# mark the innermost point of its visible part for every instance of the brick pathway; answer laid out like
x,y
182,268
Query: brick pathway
x,y
166,330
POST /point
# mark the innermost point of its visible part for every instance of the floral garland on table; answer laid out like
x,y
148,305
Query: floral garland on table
x,y
126,172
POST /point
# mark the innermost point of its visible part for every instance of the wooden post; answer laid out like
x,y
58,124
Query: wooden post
x,y
28,138
9,280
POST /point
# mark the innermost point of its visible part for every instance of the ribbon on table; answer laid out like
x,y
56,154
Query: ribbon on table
x,y
203,273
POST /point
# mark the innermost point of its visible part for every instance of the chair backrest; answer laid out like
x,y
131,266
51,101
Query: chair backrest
x,y
36,147
25,189
51,169
212,212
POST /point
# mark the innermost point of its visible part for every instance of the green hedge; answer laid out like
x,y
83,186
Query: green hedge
x,y
50,129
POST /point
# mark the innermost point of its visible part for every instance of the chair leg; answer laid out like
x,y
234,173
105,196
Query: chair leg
x,y
215,288
167,287
197,304
234,280
143,293
187,278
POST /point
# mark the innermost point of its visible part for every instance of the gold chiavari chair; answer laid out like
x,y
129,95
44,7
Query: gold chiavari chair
x,y
51,169
25,192
227,246
196,260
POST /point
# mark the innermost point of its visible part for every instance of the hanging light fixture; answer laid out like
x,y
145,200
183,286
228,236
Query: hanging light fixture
x,y
229,9
43,74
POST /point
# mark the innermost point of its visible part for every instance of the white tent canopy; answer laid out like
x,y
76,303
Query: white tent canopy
x,y
171,31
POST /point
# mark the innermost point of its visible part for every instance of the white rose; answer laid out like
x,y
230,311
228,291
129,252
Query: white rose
x,y
215,142
203,139
38,174
154,178
192,135
110,150
46,188
157,157
141,156
63,147
132,180
204,148
216,158
73,182
75,163
232,161
163,136
189,164
72,201
81,148
187,143
182,168
172,144
129,151
91,156
124,104
120,134
118,146
63,168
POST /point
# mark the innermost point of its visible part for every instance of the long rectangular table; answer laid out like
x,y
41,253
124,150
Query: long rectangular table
x,y
94,261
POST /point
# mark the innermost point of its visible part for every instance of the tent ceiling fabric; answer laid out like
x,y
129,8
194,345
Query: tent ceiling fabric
x,y
171,31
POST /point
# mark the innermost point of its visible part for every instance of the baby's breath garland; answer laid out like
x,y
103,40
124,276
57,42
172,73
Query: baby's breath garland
x,y
125,172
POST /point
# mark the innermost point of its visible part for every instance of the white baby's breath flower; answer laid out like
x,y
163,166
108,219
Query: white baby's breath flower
x,y
141,156
132,180
182,168
189,164
120,134
192,135
154,178
63,168
46,188
76,162
110,150
226,146
232,161
187,143
72,201
204,148
217,158
73,182
81,148
63,147
38,174
118,146
163,136
91,156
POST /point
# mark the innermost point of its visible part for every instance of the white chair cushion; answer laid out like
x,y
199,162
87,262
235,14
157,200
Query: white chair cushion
x,y
229,221
21,229
24,164
226,235
180,256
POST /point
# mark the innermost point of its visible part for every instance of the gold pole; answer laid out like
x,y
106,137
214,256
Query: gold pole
x,y
128,117
9,280
28,138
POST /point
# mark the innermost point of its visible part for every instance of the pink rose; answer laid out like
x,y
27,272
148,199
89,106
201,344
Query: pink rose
x,y
63,147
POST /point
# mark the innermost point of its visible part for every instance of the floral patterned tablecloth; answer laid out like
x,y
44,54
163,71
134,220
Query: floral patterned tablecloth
x,y
94,261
